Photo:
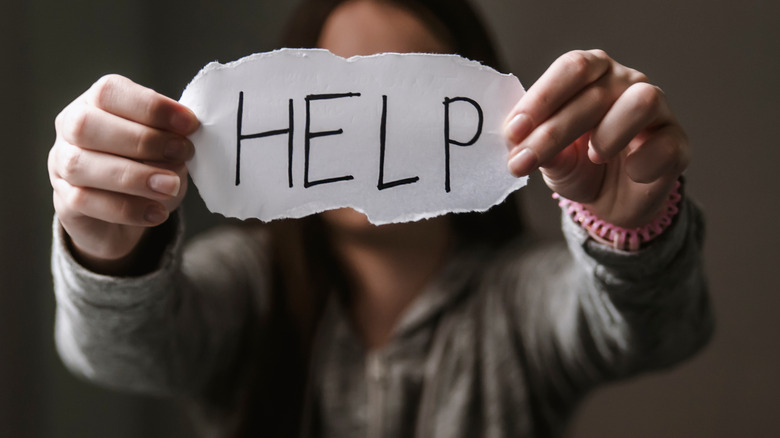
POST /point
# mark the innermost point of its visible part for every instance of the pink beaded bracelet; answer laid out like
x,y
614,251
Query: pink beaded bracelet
x,y
619,237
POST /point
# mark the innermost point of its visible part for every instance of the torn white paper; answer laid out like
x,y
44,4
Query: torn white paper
x,y
400,137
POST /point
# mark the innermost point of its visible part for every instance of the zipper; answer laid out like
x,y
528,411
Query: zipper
x,y
376,374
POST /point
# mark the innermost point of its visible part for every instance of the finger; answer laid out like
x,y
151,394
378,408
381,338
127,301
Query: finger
x,y
73,202
663,154
572,175
86,168
579,116
564,79
123,97
642,106
93,128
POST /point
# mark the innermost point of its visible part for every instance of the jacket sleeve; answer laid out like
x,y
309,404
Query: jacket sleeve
x,y
594,314
174,331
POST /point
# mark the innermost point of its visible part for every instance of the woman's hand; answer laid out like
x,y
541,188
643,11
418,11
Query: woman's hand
x,y
117,167
601,135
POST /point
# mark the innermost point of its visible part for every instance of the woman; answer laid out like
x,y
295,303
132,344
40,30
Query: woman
x,y
454,326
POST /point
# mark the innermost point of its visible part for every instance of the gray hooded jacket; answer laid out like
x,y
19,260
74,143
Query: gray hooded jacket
x,y
500,344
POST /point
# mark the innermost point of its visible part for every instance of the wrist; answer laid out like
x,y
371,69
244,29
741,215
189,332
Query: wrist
x,y
143,257
622,238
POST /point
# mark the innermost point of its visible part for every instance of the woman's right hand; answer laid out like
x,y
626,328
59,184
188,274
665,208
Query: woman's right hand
x,y
117,168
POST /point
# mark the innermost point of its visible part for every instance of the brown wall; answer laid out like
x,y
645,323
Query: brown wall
x,y
717,61
719,64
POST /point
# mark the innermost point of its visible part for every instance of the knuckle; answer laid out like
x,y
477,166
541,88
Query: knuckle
x,y
537,99
550,134
153,108
59,120
143,138
74,126
125,176
51,159
648,98
76,199
53,163
71,163
597,94
637,76
104,89
577,63
600,54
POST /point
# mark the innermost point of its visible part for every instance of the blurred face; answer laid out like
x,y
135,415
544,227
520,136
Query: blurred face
x,y
367,27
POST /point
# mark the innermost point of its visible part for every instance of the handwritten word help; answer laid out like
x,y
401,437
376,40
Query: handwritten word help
x,y
399,137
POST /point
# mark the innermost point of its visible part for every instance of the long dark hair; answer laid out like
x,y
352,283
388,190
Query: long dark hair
x,y
305,268
459,25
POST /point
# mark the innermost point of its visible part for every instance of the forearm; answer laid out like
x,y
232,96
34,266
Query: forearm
x,y
594,314
647,309
168,331
106,327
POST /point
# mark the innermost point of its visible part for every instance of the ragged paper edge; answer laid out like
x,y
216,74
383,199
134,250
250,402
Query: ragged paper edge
x,y
303,53
414,217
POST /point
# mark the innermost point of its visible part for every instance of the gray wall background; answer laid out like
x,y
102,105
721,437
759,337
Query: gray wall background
x,y
716,60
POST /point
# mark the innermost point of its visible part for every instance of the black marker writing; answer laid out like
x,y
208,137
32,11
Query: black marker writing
x,y
240,137
381,185
310,135
448,141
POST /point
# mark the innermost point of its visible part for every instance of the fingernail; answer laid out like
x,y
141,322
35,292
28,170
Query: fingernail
x,y
183,122
156,214
165,184
518,128
523,162
177,149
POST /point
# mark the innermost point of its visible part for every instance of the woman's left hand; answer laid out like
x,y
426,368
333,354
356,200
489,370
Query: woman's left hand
x,y
601,136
